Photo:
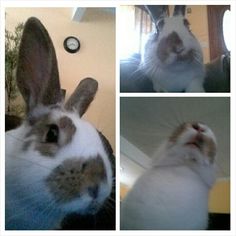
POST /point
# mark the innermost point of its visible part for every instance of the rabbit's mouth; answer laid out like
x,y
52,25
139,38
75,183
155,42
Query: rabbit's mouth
x,y
186,56
194,145
196,142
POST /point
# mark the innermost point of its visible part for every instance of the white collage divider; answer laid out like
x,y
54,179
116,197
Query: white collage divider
x,y
116,3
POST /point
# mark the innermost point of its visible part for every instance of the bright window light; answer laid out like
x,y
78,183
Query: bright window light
x,y
128,37
226,29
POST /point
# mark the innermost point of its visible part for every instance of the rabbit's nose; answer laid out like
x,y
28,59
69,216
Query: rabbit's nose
x,y
179,49
93,191
197,127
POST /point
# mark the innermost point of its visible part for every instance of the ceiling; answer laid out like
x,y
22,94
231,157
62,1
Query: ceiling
x,y
90,14
146,121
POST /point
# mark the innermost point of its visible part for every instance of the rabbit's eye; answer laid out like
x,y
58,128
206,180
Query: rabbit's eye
x,y
52,134
186,23
160,24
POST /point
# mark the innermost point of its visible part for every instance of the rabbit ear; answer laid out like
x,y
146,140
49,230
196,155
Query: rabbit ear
x,y
179,10
157,12
82,96
37,72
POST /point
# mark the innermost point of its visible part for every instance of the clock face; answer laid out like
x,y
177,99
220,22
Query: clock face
x,y
71,44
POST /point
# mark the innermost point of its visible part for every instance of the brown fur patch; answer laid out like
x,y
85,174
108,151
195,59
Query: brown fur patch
x,y
169,44
209,149
173,44
68,128
39,133
177,132
75,177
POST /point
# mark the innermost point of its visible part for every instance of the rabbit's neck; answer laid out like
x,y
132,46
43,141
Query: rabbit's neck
x,y
170,158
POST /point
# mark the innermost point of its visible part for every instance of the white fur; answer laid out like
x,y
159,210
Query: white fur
x,y
173,194
29,203
172,76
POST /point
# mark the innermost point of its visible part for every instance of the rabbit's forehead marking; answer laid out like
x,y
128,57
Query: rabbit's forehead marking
x,y
177,132
75,177
38,134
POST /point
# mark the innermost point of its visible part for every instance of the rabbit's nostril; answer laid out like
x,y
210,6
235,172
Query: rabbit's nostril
x,y
197,127
93,191
178,49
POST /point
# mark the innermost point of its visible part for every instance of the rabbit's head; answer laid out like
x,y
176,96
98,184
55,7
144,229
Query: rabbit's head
x,y
61,162
173,43
195,139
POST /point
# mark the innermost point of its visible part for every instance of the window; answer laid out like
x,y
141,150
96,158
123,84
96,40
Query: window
x,y
226,29
134,26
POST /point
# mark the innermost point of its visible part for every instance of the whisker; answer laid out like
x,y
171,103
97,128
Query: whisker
x,y
48,212
111,200
14,137
30,161
22,211
20,188
22,199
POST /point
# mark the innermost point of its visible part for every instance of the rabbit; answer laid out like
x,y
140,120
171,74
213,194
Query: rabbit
x,y
172,58
173,193
56,162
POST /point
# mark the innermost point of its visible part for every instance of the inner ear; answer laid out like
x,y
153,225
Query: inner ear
x,y
157,12
37,72
179,10
82,96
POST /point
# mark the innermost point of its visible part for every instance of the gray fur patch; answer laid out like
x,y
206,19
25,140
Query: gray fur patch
x,y
75,177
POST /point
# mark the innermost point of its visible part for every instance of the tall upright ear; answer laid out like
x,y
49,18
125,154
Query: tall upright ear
x,y
179,10
82,96
37,71
157,11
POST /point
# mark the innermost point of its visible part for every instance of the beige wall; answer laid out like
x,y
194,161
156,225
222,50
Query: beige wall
x,y
96,57
219,199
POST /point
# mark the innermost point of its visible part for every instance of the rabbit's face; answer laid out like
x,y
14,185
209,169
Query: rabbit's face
x,y
76,172
196,138
175,44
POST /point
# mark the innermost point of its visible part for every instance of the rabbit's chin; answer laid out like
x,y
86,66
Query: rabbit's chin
x,y
83,206
180,154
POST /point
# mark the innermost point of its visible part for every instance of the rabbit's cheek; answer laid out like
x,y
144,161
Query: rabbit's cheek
x,y
209,149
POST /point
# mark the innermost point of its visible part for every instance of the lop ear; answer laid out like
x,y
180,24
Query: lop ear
x,y
179,10
82,96
37,72
157,11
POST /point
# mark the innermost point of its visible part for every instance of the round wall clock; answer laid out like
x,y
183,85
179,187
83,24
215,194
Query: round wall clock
x,y
71,44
